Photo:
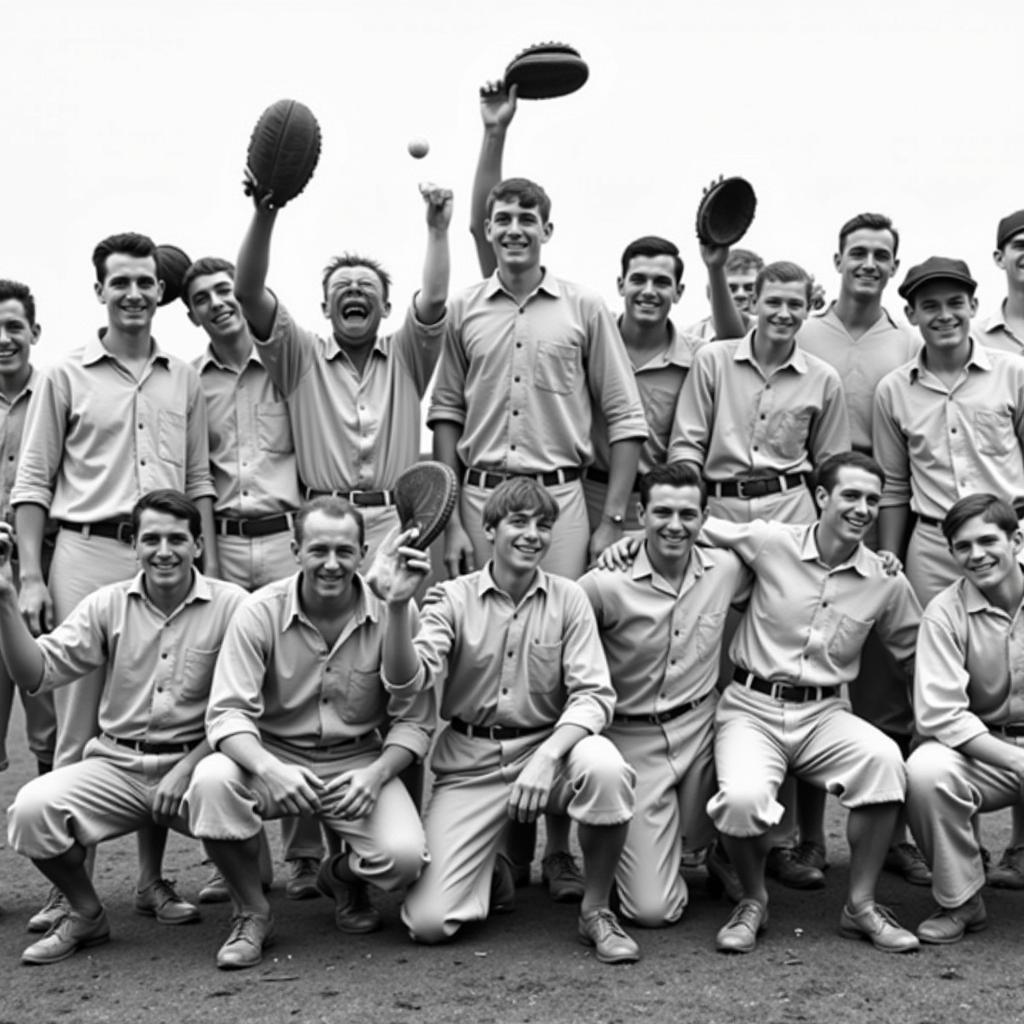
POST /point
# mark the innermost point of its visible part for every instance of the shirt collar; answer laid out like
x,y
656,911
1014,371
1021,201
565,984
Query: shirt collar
x,y
362,611
829,313
979,358
95,350
548,284
860,560
699,562
745,353
198,591
209,358
486,582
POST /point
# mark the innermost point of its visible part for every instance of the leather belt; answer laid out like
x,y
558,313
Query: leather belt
x,y
659,717
757,487
262,527
937,523
114,529
496,732
599,476
783,691
1013,729
152,748
484,478
375,499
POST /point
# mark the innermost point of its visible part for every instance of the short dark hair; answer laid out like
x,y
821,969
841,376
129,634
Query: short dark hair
x,y
128,243
20,293
653,245
353,259
827,473
742,261
873,222
674,474
783,272
331,505
518,494
200,268
992,509
172,503
527,193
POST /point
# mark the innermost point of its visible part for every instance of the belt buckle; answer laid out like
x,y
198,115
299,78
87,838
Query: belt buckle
x,y
125,532
755,488
354,496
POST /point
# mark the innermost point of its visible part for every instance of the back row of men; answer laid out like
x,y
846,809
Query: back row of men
x,y
536,379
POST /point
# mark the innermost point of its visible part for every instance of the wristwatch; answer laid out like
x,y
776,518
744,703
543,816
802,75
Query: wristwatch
x,y
618,519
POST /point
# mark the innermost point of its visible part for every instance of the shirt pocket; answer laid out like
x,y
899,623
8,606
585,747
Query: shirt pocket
x,y
789,433
993,430
557,368
660,409
362,698
544,667
274,428
171,437
709,633
847,640
197,674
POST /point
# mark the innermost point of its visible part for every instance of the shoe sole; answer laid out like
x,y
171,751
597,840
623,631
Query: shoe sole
x,y
628,958
371,925
34,927
308,891
856,933
149,912
789,883
565,896
974,926
268,941
40,961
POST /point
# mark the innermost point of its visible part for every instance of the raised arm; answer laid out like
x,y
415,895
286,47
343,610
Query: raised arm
x,y
258,303
726,319
433,293
497,108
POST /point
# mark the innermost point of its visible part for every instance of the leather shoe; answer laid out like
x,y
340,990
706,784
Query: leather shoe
x,y
301,884
50,913
907,860
739,933
161,900
354,914
1009,872
785,865
812,854
602,930
722,877
215,889
70,934
503,886
562,876
250,935
948,925
879,926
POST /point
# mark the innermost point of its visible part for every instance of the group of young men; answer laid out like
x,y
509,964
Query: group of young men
x,y
214,619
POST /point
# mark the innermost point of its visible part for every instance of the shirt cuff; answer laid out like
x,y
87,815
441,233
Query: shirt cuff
x,y
230,725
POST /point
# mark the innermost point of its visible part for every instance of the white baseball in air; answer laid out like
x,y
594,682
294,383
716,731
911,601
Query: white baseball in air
x,y
418,148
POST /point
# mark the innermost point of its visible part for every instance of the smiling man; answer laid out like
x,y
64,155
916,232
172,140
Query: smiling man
x,y
117,418
524,689
302,724
354,398
817,592
969,709
661,627
1003,329
154,639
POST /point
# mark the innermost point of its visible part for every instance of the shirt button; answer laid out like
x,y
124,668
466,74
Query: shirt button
x,y
515,412
505,691
953,431
517,379
140,426
755,447
511,654
142,462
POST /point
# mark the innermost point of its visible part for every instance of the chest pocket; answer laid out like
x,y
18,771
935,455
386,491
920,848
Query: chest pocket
x,y
848,640
556,369
544,665
361,698
171,437
660,409
275,430
789,432
709,632
197,674
994,432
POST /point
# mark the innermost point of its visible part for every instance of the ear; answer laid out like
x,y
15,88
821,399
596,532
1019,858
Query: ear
x,y
997,258
680,288
911,315
191,317
1017,540
820,497
621,285
98,289
386,306
295,548
837,258
198,541
37,329
160,291
974,306
323,309
549,230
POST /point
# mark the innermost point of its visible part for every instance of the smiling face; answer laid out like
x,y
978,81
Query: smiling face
x,y
672,520
781,310
986,554
520,539
941,311
649,290
867,262
850,509
212,305
131,292
741,288
1010,259
167,551
17,336
355,302
329,555
516,234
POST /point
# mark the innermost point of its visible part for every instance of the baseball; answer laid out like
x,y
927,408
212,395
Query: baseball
x,y
418,148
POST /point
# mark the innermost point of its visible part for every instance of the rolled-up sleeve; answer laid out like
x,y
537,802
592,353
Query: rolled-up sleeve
x,y
890,444
236,694
43,443
610,378
691,426
591,696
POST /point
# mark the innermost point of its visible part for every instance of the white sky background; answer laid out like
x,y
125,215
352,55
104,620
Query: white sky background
x,y
136,116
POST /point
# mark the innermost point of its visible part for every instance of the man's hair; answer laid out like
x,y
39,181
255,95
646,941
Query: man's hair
x,y
827,473
128,243
173,503
353,259
333,506
674,474
20,292
742,261
527,193
991,509
782,272
202,267
518,494
653,245
873,222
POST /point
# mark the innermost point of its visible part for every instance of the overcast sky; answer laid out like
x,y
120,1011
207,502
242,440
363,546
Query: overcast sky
x,y
136,116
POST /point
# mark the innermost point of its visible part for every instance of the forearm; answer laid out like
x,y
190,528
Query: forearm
x,y
247,751
21,653
393,760
433,292
562,740
211,559
623,459
445,449
488,174
258,303
892,529
30,528
400,662
992,751
726,319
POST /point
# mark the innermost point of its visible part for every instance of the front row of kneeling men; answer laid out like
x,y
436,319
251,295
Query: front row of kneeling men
x,y
597,699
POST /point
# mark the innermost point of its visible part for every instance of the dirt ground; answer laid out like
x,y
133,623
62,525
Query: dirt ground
x,y
523,967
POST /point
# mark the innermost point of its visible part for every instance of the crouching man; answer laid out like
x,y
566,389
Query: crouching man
x,y
298,718
525,691
156,638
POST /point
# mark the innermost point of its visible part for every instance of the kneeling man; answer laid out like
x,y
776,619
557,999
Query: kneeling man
x,y
969,709
525,691
300,719
156,637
